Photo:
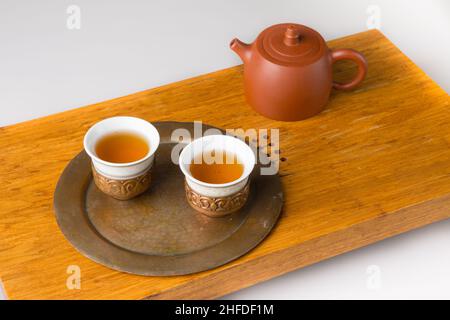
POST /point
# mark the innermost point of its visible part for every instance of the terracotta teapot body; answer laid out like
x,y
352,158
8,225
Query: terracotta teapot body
x,y
288,71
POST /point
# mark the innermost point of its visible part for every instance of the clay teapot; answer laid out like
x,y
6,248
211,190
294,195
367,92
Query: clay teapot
x,y
288,71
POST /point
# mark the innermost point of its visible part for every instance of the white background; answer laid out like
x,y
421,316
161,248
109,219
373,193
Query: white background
x,y
128,46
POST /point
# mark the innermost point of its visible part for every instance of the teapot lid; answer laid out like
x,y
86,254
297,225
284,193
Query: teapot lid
x,y
290,44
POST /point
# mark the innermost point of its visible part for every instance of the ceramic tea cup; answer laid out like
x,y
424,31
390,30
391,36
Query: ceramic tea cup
x,y
217,199
123,180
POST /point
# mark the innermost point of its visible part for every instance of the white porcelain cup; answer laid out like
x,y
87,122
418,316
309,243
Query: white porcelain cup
x,y
122,171
217,199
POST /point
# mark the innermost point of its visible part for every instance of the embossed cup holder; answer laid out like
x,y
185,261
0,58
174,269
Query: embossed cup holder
x,y
217,200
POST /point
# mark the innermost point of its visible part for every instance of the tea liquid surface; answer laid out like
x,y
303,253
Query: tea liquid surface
x,y
222,167
122,147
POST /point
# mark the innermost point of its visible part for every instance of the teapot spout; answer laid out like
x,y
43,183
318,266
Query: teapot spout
x,y
241,48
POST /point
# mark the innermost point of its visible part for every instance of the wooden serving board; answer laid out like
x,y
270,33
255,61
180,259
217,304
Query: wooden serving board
x,y
375,164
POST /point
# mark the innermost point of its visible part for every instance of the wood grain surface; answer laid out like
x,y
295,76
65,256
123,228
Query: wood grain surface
x,y
375,164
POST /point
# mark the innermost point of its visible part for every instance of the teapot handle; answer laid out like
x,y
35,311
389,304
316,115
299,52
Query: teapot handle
x,y
355,56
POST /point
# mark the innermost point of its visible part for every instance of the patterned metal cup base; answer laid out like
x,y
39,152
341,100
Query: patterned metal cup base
x,y
122,189
217,207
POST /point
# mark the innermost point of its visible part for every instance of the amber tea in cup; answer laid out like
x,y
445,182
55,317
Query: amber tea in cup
x,y
223,167
122,150
217,172
122,147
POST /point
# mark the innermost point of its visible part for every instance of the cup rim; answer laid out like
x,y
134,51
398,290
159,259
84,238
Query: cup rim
x,y
244,175
124,164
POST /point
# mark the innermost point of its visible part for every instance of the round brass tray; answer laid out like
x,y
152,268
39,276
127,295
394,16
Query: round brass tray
x,y
158,233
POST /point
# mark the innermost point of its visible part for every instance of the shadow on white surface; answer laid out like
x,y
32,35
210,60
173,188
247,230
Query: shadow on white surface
x,y
413,265
2,291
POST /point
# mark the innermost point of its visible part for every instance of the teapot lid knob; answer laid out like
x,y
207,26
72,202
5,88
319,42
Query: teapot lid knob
x,y
290,44
291,36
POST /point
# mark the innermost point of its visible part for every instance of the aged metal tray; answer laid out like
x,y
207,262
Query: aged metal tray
x,y
158,233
